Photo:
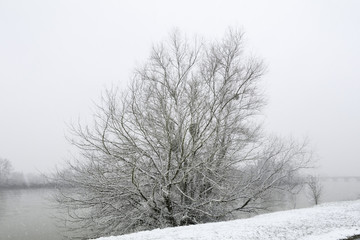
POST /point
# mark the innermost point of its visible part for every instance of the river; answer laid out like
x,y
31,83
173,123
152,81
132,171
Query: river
x,y
27,214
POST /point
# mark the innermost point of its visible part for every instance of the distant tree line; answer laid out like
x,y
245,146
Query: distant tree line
x,y
13,179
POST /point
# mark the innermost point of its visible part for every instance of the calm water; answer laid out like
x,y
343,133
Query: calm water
x,y
28,215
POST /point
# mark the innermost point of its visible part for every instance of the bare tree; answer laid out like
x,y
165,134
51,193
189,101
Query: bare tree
x,y
5,170
182,146
315,189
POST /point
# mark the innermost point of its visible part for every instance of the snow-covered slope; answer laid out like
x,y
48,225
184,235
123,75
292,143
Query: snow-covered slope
x,y
330,221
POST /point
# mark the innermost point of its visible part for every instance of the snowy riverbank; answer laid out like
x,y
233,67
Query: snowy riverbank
x,y
329,221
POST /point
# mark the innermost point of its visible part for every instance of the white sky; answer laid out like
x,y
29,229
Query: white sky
x,y
56,57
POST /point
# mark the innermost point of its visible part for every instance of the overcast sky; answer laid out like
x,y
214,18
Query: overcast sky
x,y
56,57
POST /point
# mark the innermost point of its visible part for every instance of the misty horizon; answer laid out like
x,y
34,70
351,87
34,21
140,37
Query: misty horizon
x,y
57,58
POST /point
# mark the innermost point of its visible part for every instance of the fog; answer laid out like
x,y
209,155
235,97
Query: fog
x,y
56,57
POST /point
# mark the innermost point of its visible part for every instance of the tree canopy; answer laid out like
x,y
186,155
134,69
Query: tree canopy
x,y
181,146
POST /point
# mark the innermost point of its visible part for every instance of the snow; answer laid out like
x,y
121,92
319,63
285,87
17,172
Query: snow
x,y
329,221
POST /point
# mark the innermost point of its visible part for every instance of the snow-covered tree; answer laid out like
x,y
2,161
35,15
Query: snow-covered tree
x,y
5,170
315,189
182,146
